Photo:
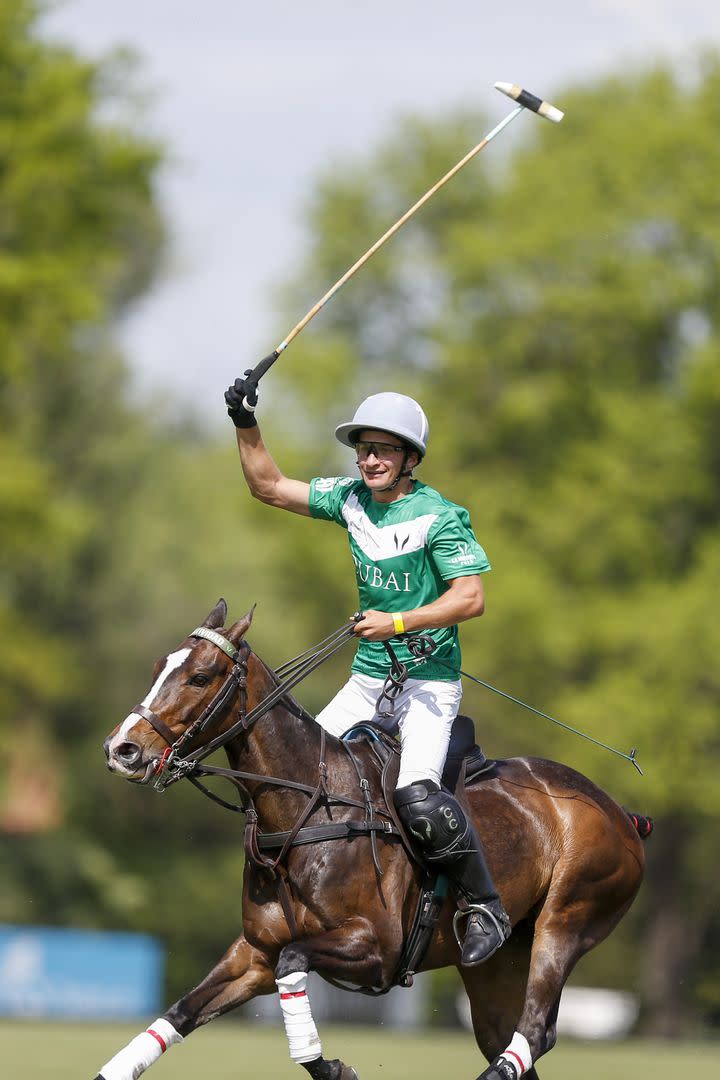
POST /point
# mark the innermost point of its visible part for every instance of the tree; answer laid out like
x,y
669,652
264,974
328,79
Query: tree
x,y
98,572
81,237
118,525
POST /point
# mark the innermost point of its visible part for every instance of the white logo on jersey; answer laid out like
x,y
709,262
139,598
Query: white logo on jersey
x,y
371,575
464,556
330,482
385,542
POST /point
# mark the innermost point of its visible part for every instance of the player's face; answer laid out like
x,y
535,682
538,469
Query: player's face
x,y
380,457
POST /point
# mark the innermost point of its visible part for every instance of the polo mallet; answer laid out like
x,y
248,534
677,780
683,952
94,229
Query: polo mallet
x,y
525,100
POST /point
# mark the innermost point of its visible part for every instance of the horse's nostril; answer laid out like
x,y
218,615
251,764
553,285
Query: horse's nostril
x,y
128,753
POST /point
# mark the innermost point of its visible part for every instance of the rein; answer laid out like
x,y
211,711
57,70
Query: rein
x,y
291,673
422,645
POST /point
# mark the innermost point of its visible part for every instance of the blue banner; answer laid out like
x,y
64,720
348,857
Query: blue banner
x,y
82,974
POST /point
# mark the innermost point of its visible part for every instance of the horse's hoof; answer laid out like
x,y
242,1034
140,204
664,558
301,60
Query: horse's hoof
x,y
320,1069
341,1071
500,1069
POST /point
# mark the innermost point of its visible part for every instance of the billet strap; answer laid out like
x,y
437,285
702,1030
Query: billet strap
x,y
217,639
427,915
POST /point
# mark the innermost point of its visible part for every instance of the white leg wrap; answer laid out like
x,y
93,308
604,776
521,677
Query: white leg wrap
x,y
300,1029
518,1054
141,1053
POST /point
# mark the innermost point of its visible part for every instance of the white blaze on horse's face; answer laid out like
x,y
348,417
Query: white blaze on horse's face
x,y
123,735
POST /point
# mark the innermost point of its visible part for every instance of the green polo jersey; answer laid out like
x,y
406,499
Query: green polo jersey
x,y
405,553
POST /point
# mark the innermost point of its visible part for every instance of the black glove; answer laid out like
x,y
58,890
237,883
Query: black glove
x,y
235,397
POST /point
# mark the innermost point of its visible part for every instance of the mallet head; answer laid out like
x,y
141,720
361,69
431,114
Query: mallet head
x,y
529,101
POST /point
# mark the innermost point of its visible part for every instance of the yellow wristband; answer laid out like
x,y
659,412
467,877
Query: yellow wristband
x,y
399,624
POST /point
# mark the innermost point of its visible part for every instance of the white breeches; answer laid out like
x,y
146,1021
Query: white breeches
x,y
423,716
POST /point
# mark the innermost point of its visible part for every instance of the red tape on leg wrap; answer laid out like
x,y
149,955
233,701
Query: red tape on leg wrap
x,y
163,1044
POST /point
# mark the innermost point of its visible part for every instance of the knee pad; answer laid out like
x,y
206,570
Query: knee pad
x,y
435,819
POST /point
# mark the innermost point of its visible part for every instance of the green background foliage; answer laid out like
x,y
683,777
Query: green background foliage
x,y
555,308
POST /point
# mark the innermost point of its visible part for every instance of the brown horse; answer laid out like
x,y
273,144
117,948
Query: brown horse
x,y
567,860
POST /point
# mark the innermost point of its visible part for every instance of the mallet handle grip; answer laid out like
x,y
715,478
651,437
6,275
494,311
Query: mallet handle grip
x,y
259,370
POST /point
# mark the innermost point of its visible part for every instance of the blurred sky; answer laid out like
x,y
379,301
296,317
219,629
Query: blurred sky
x,y
255,99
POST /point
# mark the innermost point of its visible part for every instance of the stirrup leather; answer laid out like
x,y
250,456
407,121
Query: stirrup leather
x,y
471,909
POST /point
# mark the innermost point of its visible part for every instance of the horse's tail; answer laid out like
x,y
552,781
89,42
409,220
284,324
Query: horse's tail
x,y
643,825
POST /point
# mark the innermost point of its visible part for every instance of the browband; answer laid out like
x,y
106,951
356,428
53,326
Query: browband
x,y
217,639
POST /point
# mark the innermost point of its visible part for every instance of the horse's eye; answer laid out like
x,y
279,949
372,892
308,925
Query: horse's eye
x,y
199,679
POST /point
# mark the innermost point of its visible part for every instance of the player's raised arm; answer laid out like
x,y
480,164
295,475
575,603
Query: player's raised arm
x,y
264,479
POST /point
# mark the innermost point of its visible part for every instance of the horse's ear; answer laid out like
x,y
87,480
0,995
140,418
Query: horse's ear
x,y
239,629
217,616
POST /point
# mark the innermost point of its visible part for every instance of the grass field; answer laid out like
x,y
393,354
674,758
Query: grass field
x,y
231,1050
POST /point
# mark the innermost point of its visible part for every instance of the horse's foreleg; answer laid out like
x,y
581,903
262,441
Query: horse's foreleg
x,y
243,973
350,952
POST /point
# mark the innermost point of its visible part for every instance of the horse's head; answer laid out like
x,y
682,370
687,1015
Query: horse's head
x,y
184,684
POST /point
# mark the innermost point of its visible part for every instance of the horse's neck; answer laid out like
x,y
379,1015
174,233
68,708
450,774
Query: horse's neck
x,y
279,744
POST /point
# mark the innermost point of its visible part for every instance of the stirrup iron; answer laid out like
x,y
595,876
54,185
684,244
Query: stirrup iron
x,y
472,909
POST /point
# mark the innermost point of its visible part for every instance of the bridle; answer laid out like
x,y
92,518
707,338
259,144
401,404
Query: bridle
x,y
235,683
174,764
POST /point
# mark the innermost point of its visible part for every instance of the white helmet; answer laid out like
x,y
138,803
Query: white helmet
x,y
395,413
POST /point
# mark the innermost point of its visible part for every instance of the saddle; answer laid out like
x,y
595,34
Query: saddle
x,y
464,755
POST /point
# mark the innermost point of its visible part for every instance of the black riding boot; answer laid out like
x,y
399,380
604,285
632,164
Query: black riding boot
x,y
435,819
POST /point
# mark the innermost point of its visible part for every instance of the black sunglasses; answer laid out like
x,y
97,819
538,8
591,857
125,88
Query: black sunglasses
x,y
379,449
